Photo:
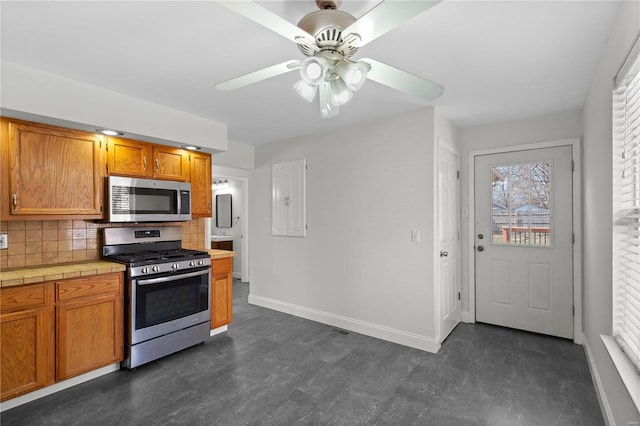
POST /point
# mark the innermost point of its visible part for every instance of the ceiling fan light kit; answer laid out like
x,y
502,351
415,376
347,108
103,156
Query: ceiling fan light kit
x,y
329,37
307,91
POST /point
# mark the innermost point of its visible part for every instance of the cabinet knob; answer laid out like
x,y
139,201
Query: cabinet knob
x,y
144,162
157,165
15,202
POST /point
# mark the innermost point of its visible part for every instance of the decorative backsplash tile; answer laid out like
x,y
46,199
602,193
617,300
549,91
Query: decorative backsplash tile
x,y
47,242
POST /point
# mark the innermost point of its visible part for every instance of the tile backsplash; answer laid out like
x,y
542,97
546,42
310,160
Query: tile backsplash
x,y
46,242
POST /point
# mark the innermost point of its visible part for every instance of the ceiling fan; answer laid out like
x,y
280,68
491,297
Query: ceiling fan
x,y
328,38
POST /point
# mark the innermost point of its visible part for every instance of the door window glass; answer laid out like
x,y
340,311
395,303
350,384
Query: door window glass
x,y
521,204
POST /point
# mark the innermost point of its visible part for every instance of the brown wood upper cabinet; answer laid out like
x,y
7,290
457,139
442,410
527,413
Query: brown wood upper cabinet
x,y
133,158
53,171
200,184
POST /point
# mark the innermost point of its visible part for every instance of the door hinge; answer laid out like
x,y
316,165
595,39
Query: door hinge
x,y
574,310
573,165
107,166
573,238
458,174
458,295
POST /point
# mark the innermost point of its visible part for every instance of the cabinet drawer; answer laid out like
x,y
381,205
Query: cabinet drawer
x,y
95,284
22,296
221,266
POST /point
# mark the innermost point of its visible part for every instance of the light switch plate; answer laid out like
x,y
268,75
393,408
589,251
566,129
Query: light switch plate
x,y
415,235
4,241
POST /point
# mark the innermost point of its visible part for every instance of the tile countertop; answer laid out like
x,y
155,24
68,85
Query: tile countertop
x,y
38,274
221,254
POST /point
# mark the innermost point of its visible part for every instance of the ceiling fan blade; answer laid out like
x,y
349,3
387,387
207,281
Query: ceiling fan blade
x,y
266,18
402,80
254,77
384,17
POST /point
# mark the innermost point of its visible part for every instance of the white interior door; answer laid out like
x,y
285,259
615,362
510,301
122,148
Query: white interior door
x,y
449,240
524,240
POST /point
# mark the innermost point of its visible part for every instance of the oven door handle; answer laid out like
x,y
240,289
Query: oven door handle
x,y
172,277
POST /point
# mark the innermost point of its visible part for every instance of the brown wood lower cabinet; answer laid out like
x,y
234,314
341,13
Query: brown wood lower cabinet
x,y
27,351
222,245
59,329
222,292
89,318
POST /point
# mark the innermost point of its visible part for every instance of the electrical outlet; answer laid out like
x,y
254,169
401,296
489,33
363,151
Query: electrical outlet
x,y
4,241
415,235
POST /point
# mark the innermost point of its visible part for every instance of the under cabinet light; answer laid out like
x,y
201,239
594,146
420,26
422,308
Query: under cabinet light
x,y
109,132
191,147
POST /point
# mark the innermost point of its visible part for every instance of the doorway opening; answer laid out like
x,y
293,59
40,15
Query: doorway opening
x,y
524,238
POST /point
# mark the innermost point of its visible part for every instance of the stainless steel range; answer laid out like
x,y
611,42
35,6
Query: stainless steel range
x,y
167,297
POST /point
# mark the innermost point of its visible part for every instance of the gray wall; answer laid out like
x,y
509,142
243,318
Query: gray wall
x,y
367,187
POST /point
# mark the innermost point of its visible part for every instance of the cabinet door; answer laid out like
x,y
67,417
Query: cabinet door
x,y
170,163
89,328
54,171
289,199
129,158
200,184
26,333
222,292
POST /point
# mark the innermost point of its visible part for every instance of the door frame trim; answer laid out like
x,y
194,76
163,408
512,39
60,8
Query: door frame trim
x,y
442,143
575,143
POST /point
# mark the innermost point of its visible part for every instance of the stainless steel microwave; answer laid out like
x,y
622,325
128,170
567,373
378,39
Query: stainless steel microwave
x,y
147,200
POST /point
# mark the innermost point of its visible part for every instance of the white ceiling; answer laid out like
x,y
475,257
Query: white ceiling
x,y
498,61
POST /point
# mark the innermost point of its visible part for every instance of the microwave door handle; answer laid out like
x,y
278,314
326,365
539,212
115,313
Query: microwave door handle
x,y
179,204
172,277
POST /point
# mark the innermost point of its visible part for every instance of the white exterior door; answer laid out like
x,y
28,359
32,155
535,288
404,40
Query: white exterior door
x,y
449,240
524,240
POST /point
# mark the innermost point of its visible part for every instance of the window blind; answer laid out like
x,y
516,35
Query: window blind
x,y
626,214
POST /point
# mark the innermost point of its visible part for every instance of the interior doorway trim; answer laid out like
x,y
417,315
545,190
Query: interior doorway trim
x,y
470,315
240,175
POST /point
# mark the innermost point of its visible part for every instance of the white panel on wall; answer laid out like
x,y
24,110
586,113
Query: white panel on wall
x,y
288,186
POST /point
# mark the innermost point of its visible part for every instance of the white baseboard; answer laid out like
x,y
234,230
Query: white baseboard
x,y
218,330
57,387
466,317
602,397
374,330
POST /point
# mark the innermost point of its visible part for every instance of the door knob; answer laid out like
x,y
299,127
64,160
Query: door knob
x,y
480,248
444,253
480,236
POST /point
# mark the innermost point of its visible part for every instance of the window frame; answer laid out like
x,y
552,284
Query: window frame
x,y
626,201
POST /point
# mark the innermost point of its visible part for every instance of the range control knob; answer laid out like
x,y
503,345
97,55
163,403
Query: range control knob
x,y
144,270
175,266
155,268
200,262
192,263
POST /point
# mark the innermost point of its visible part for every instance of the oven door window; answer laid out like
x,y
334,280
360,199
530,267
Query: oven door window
x,y
166,301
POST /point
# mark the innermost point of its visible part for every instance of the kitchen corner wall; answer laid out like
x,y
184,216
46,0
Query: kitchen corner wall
x,y
45,242
368,186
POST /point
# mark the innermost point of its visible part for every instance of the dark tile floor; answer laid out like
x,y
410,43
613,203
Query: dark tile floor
x,y
275,369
